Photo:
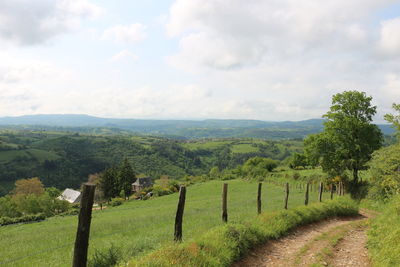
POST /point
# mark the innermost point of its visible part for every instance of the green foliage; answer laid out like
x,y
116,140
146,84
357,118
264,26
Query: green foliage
x,y
53,192
107,258
22,219
63,159
126,177
30,204
349,137
8,207
384,236
116,202
109,183
298,160
385,172
394,119
222,245
257,167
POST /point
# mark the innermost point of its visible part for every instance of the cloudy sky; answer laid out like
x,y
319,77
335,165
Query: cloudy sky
x,y
254,59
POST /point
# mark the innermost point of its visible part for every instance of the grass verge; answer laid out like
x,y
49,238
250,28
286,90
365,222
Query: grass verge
x,y
384,236
223,245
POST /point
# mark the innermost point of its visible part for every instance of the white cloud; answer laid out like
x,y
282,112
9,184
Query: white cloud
x,y
234,34
132,33
390,36
27,22
124,54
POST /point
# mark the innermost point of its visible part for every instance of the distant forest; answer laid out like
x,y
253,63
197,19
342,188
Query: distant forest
x,y
63,159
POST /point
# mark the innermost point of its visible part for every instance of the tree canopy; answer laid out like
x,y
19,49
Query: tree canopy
x,y
349,137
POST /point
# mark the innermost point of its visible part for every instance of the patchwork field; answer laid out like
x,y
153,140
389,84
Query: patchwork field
x,y
138,227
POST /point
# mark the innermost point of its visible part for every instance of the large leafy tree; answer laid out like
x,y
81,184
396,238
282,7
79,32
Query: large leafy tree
x,y
349,136
385,164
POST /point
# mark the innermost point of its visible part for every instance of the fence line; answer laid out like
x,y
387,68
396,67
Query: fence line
x,y
339,190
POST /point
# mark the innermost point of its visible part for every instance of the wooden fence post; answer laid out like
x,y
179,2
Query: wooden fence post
x,y
82,234
179,214
321,188
259,198
286,195
332,188
225,203
306,198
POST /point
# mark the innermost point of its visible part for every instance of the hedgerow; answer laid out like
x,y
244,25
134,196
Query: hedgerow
x,y
25,218
223,245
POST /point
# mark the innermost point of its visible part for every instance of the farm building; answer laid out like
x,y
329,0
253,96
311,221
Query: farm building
x,y
141,183
70,195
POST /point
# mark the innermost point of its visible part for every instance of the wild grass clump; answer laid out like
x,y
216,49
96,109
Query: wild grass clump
x,y
223,245
384,236
107,258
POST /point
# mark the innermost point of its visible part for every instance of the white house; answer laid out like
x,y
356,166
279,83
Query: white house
x,y
70,195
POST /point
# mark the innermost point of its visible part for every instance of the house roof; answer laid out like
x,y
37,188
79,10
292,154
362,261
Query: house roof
x,y
70,195
144,182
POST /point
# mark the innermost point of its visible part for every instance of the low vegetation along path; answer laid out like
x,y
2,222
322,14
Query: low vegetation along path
x,y
333,242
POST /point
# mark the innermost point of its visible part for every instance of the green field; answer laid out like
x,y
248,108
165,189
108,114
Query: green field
x,y
137,227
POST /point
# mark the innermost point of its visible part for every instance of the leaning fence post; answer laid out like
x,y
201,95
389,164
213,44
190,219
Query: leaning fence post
x,y
306,198
259,198
82,234
179,214
286,195
321,188
224,203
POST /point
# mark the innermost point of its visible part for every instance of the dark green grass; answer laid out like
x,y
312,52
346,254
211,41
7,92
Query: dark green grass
x,y
138,227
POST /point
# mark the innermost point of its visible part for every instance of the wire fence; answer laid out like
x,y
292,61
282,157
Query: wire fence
x,y
139,226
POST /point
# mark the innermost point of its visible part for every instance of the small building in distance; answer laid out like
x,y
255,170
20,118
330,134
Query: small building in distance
x,y
70,195
142,183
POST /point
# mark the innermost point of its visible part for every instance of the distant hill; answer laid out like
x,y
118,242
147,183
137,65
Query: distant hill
x,y
210,128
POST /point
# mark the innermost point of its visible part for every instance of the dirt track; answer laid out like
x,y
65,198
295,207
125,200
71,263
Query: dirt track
x,y
333,242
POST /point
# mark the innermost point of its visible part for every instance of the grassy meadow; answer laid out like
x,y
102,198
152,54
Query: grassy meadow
x,y
138,227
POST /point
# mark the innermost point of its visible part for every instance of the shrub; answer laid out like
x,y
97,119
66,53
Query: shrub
x,y
116,201
25,218
107,258
158,190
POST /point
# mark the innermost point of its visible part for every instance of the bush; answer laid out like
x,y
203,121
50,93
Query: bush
x,y
222,245
116,201
25,218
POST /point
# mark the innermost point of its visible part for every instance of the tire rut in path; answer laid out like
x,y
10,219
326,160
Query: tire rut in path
x,y
284,251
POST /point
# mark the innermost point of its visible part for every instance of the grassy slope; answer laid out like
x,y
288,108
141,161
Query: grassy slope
x,y
138,226
384,235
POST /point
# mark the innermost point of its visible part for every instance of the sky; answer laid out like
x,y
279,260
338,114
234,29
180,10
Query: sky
x,y
193,59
